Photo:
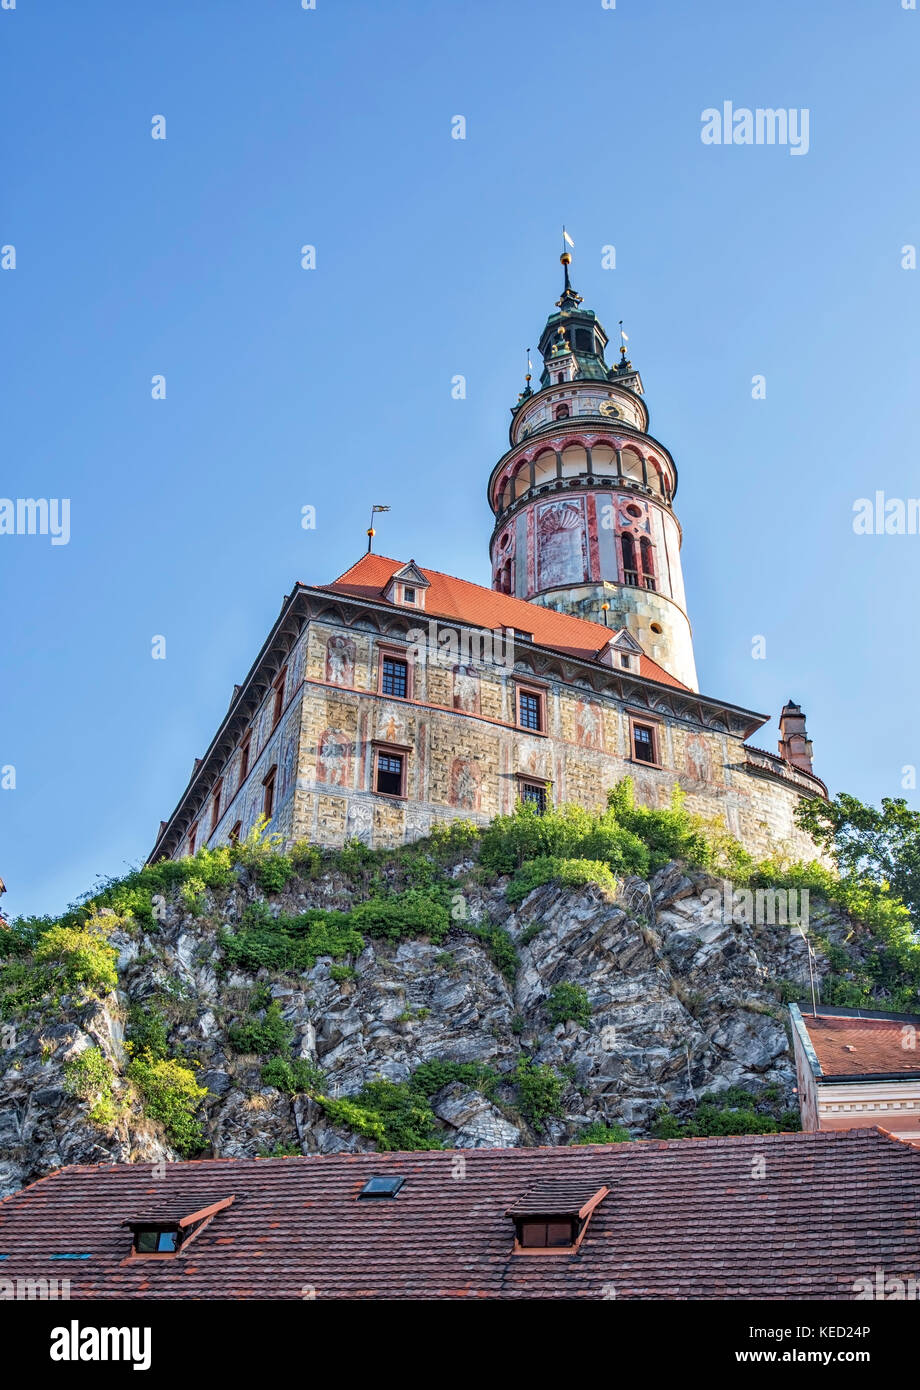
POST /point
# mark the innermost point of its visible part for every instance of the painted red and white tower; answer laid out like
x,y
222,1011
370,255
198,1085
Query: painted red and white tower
x,y
583,499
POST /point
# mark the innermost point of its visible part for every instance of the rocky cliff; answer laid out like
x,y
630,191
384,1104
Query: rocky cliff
x,y
577,1007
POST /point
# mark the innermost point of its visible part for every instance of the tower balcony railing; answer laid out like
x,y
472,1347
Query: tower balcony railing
x,y
637,581
582,480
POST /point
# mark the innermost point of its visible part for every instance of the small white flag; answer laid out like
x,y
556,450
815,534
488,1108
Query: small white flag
x,y
566,237
624,336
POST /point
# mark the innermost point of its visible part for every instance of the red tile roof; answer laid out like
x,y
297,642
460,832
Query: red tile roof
x,y
863,1046
471,603
684,1219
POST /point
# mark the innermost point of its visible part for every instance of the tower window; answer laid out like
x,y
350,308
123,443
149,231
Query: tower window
x,y
192,838
215,804
645,743
648,567
235,832
394,677
530,709
268,798
562,412
630,568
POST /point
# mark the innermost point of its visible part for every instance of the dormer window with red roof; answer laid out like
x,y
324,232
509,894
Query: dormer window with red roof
x,y
552,1216
168,1227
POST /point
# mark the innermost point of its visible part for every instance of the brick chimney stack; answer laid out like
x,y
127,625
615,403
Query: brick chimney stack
x,y
794,743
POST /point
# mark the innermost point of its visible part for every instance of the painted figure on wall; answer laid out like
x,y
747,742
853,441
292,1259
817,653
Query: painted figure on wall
x,y
561,543
589,727
340,661
392,729
295,668
466,689
699,759
287,764
464,784
333,761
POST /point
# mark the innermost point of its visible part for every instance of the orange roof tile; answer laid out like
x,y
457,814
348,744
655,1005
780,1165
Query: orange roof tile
x,y
449,597
862,1046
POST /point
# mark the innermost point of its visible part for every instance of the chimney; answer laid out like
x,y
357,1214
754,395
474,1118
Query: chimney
x,y
794,743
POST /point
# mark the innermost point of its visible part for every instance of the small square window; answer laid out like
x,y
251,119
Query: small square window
x,y
381,1187
626,661
408,594
535,793
530,710
390,774
394,677
644,750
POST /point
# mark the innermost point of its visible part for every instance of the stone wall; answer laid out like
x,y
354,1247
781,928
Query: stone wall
x,y
465,755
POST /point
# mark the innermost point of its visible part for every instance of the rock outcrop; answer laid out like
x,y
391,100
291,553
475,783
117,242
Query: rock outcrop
x,y
683,1000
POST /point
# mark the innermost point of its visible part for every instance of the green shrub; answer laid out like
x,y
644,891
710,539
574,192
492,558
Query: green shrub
x,y
89,1076
170,1095
396,1115
599,1133
290,944
672,833
574,873
568,1002
271,1035
306,859
340,973
431,1076
262,855
23,987
540,1091
404,915
568,833
295,1078
80,958
500,946
733,1111
192,896
148,1030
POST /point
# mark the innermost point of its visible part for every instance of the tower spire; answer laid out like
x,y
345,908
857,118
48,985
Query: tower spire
x,y
569,300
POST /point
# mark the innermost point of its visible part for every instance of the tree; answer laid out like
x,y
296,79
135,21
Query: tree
x,y
882,845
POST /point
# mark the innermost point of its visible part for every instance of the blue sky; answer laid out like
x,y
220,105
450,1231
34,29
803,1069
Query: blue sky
x,y
435,256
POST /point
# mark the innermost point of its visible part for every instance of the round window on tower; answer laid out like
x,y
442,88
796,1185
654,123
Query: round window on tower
x,y
634,511
656,628
562,412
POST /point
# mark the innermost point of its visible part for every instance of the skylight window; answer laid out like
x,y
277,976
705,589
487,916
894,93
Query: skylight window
x,y
381,1187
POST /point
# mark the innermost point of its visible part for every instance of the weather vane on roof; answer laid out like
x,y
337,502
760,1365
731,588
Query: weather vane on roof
x,y
371,533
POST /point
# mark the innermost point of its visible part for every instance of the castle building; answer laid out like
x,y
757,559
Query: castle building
x,y
397,696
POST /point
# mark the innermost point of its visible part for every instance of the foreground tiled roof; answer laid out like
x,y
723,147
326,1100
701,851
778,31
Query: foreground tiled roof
x,y
683,1219
848,1046
471,603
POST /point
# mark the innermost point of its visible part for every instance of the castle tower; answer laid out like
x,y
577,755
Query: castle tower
x,y
583,499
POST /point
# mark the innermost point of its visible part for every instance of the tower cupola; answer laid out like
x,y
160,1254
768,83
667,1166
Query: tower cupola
x,y
584,497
